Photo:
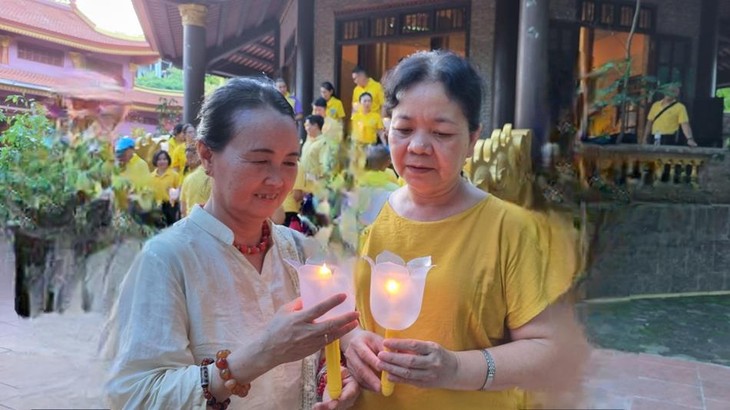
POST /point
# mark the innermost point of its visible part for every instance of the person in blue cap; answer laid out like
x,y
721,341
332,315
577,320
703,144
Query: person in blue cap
x,y
133,168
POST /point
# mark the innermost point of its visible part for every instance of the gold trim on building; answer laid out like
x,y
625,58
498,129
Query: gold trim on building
x,y
158,91
193,14
24,90
112,49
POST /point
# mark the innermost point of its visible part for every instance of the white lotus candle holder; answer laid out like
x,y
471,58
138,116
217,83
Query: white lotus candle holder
x,y
396,295
319,280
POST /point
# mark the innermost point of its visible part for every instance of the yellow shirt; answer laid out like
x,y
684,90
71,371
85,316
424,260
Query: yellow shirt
x,y
670,120
311,163
375,89
335,110
171,145
137,172
290,205
178,157
488,277
195,188
365,127
378,179
332,129
161,184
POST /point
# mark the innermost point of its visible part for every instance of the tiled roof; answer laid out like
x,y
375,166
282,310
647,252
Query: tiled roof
x,y
65,24
83,84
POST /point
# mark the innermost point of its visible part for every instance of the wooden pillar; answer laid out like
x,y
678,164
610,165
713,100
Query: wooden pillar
x,y
706,79
531,108
305,56
4,49
505,62
193,19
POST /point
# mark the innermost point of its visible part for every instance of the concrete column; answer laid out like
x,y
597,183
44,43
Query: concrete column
x,y
706,79
193,19
305,55
531,108
505,62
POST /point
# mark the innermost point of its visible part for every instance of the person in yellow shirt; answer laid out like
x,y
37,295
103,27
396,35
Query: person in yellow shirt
x,y
365,84
665,118
178,154
293,201
177,138
367,125
309,162
165,184
133,168
334,108
331,128
133,171
490,325
196,185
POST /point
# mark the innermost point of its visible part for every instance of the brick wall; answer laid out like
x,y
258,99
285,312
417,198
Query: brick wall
x,y
481,42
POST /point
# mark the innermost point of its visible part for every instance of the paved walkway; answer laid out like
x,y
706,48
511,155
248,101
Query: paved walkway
x,y
51,362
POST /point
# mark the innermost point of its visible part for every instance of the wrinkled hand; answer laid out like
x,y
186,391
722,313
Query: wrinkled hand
x,y
422,364
350,393
293,335
362,359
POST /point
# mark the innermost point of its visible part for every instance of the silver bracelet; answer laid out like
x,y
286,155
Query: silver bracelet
x,y
491,369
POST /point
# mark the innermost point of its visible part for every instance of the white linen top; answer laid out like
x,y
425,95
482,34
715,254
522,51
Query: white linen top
x,y
188,294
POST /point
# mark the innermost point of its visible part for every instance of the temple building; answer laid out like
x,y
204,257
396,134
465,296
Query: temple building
x,y
531,52
51,52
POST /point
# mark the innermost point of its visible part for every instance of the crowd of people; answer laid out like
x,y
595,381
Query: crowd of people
x,y
209,315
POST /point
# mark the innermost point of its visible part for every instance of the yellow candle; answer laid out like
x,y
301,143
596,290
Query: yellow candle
x,y
334,374
386,386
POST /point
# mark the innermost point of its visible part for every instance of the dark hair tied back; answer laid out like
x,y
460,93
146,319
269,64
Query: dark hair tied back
x,y
461,80
218,114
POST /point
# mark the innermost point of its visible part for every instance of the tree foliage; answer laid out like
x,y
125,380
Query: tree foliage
x,y
173,80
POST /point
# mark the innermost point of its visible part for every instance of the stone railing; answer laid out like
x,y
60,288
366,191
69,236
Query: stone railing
x,y
653,173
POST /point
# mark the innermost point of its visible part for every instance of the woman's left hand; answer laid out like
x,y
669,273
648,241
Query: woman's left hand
x,y
420,363
350,393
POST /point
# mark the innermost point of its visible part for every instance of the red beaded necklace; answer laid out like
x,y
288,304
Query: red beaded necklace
x,y
261,246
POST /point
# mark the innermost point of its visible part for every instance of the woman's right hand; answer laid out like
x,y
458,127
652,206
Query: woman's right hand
x,y
293,333
362,358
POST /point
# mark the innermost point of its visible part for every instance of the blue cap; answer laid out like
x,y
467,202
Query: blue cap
x,y
124,144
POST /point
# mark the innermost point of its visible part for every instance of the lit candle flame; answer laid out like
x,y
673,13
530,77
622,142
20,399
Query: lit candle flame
x,y
324,271
392,286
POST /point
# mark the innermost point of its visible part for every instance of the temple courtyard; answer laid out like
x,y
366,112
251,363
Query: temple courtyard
x,y
51,362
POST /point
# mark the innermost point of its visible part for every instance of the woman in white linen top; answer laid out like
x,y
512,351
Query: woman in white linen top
x,y
217,279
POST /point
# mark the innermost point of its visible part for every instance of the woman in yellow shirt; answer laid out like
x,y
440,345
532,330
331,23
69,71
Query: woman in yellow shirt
x,y
335,110
165,184
490,327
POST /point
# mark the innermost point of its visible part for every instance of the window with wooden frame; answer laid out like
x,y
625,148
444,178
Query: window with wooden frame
x,y
39,54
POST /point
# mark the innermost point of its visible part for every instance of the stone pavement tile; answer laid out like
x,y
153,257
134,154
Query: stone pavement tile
x,y
640,403
682,394
716,390
619,365
650,358
715,373
600,398
717,405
